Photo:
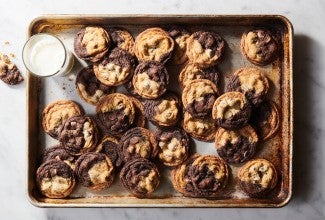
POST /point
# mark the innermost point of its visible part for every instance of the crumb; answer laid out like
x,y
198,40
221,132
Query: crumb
x,y
6,42
63,88
12,55
70,78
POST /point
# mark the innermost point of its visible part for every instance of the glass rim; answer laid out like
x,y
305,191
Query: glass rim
x,y
55,37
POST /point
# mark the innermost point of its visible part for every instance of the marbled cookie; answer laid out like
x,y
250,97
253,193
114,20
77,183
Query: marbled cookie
x,y
250,81
55,179
56,113
257,177
79,135
198,97
89,88
154,44
150,79
95,171
236,146
91,43
231,110
163,111
205,48
259,46
141,177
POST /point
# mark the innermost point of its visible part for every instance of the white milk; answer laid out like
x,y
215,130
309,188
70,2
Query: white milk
x,y
45,55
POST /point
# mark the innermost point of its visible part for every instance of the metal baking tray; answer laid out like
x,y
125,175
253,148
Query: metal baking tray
x,y
279,149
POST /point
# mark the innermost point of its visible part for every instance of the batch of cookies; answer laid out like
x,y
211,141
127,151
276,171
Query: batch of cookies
x,y
93,150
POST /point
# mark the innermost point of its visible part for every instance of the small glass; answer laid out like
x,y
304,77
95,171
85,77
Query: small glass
x,y
45,55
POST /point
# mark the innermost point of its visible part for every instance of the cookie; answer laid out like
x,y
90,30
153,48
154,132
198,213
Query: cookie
x,y
236,146
198,128
141,177
259,46
140,119
89,88
173,146
91,43
163,111
9,73
231,110
56,113
205,48
150,79
154,44
121,38
58,152
115,113
138,143
78,135
115,69
192,71
198,97
257,177
180,36
201,176
95,171
266,120
109,146
250,81
55,179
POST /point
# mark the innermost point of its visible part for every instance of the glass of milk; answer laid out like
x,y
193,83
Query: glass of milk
x,y
45,55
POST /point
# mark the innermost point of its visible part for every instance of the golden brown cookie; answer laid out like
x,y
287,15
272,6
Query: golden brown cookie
x,y
91,43
55,179
141,177
180,36
123,39
259,46
89,88
231,110
78,135
56,113
266,120
138,143
257,177
163,111
115,113
9,73
154,44
192,71
198,97
95,171
198,128
173,146
236,146
250,81
150,79
115,69
201,176
205,48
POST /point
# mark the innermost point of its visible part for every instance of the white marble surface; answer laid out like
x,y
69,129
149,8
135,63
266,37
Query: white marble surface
x,y
308,201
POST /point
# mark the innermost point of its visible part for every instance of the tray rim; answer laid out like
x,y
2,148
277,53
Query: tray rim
x,y
282,203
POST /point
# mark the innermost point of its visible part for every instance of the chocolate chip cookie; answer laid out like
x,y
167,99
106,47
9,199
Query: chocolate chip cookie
x,y
259,46
231,110
115,69
150,79
173,146
257,177
9,73
163,111
91,43
89,88
198,97
180,36
141,177
236,146
95,171
154,44
205,48
250,81
56,113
